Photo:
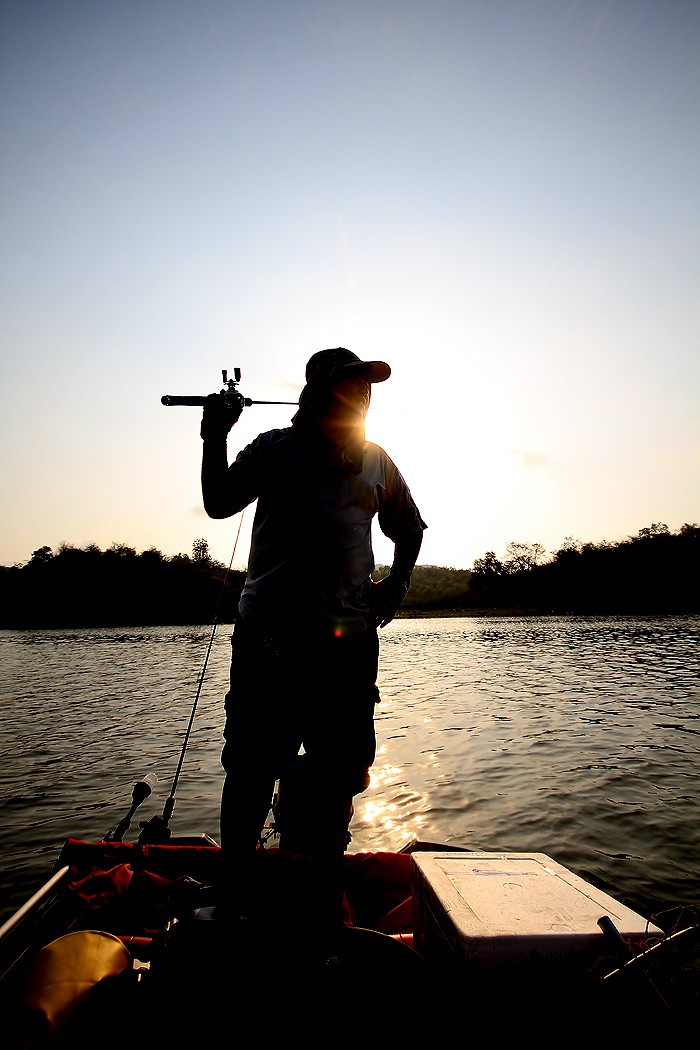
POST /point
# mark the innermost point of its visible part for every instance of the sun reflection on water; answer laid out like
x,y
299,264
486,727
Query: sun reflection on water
x,y
391,809
380,776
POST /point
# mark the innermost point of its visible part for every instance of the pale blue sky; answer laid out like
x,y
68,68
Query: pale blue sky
x,y
498,198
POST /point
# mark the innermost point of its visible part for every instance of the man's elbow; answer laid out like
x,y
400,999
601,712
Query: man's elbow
x,y
216,509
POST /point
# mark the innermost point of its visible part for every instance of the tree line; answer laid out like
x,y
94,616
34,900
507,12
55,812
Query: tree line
x,y
656,571
76,586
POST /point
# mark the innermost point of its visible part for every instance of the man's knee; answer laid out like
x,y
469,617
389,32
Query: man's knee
x,y
340,780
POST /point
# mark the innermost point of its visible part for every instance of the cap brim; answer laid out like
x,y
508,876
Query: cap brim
x,y
374,371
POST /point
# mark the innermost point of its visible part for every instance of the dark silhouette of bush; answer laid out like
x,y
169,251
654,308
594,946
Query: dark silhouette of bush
x,y
656,571
89,587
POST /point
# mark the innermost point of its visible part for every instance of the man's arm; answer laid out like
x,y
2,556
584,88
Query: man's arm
x,y
223,491
388,594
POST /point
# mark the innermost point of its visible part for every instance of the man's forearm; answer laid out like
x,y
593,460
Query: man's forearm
x,y
216,489
390,592
224,488
406,551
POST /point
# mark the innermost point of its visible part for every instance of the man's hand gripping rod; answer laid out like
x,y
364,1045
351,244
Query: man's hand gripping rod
x,y
230,394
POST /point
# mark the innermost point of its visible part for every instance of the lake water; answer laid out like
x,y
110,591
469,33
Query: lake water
x,y
578,737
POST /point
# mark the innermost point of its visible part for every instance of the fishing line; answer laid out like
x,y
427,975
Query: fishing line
x,y
170,802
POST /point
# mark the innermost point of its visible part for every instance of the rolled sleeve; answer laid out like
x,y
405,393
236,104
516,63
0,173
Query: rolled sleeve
x,y
398,514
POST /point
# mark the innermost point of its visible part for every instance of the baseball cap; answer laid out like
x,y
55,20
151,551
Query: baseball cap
x,y
337,364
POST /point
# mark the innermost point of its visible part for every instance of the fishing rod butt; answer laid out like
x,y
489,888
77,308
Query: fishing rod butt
x,y
143,788
171,400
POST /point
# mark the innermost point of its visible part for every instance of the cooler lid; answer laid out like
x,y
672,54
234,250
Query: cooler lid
x,y
518,894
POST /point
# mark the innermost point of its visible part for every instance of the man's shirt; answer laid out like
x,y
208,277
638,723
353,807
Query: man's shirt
x,y
311,551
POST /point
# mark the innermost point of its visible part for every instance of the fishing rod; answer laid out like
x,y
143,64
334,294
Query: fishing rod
x,y
231,395
156,830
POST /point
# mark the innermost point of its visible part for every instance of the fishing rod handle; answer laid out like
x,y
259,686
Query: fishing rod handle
x,y
172,399
169,400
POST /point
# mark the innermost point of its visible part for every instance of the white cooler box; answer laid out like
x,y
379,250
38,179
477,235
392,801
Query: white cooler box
x,y
490,910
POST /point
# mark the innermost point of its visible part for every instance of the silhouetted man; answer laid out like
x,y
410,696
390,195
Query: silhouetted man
x,y
305,646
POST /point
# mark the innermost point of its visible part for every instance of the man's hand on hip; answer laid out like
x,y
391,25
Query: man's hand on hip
x,y
385,599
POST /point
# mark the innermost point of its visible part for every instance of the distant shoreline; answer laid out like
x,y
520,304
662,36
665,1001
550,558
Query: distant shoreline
x,y
423,614
428,614
408,614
